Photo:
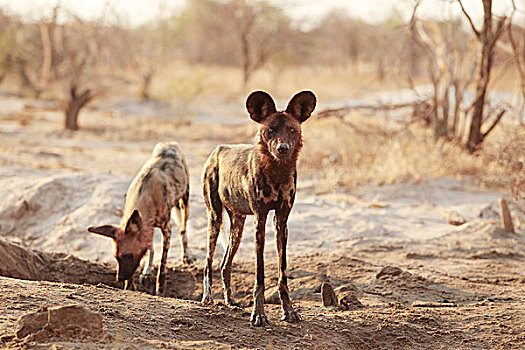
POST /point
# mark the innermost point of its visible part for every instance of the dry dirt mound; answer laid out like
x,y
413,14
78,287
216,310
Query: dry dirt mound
x,y
306,276
65,321
52,210
25,263
403,286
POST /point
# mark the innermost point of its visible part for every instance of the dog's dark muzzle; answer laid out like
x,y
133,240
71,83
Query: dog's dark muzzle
x,y
283,148
126,267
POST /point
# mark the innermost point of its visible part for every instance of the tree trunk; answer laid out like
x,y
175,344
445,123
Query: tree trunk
x,y
475,136
445,105
146,85
74,103
27,82
380,69
246,64
488,40
454,128
47,53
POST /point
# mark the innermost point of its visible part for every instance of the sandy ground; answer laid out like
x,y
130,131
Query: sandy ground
x,y
54,184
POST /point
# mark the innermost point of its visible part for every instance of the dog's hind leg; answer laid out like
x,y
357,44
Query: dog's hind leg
x,y
181,212
161,275
236,228
214,207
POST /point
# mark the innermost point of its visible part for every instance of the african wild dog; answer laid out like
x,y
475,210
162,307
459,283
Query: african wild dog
x,y
160,186
252,180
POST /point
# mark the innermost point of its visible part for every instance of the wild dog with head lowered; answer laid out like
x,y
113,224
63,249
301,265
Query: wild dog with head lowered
x,y
160,189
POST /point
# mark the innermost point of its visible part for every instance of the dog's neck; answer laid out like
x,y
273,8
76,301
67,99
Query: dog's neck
x,y
276,171
148,221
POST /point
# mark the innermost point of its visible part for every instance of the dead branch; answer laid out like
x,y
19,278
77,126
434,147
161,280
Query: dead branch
x,y
515,51
342,111
476,32
496,121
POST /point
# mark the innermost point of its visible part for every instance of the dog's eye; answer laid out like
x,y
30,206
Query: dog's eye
x,y
291,130
271,130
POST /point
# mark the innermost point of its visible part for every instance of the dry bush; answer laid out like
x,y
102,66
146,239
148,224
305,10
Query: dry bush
x,y
340,154
507,152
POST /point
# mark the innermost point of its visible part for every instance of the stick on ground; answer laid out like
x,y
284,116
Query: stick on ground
x,y
506,219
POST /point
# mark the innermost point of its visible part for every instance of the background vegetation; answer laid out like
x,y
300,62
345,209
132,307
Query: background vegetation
x,y
211,50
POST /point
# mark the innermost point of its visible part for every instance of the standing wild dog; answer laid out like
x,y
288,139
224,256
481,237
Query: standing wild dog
x,y
160,186
252,180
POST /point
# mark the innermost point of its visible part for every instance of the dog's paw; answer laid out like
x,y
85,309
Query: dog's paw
x,y
232,303
187,260
291,316
143,278
258,320
207,299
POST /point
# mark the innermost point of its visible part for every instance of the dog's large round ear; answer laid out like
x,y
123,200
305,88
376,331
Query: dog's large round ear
x,y
134,223
260,105
302,105
105,230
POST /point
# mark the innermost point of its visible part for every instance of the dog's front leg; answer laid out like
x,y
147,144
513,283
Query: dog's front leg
x,y
258,318
281,237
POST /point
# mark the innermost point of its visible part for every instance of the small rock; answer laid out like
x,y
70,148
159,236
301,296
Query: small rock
x,y
328,295
6,338
388,271
350,302
489,213
347,288
272,296
456,219
59,317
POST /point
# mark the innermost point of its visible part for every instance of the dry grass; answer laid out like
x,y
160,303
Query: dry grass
x,y
370,150
226,82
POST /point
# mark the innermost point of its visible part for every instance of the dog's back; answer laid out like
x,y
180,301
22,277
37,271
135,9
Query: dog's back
x,y
227,179
163,179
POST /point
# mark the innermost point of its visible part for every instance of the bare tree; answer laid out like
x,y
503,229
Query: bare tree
x,y
26,49
154,45
235,32
517,50
47,28
89,54
259,28
8,31
487,37
340,39
78,55
27,59
446,49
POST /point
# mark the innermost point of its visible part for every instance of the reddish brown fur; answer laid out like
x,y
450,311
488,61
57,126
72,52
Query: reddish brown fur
x,y
278,170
